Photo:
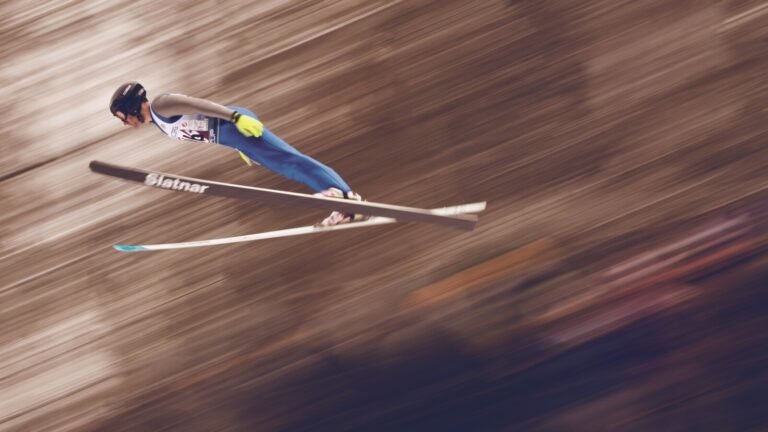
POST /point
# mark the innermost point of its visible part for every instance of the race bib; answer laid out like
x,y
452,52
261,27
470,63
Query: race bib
x,y
191,129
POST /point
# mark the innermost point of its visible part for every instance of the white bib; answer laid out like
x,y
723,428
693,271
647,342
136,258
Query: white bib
x,y
196,127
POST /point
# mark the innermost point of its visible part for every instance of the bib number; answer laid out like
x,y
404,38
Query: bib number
x,y
193,130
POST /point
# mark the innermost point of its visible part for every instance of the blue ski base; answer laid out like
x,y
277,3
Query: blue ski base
x,y
129,248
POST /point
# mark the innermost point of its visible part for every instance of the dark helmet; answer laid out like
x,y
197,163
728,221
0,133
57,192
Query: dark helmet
x,y
128,99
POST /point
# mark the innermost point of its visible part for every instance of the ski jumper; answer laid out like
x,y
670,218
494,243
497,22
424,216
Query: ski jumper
x,y
268,150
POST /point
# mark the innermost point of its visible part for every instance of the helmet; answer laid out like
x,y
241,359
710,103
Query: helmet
x,y
128,99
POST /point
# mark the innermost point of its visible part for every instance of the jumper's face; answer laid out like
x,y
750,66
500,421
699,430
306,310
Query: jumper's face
x,y
137,116
128,120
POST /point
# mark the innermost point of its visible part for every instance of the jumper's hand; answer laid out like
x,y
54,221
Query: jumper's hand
x,y
247,125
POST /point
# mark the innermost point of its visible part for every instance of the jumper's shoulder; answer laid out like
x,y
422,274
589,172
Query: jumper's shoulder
x,y
164,104
172,104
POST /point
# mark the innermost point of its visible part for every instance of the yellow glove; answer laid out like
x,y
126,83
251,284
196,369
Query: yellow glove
x,y
247,125
245,158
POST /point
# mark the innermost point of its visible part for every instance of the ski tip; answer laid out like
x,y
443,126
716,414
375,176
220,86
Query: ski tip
x,y
128,248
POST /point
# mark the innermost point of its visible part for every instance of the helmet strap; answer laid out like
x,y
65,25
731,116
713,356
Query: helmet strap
x,y
140,115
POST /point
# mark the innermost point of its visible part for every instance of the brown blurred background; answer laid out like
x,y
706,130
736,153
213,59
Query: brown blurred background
x,y
615,283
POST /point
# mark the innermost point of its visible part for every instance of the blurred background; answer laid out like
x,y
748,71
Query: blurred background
x,y
616,282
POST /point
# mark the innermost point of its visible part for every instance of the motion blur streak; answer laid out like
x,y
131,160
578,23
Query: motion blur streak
x,y
615,282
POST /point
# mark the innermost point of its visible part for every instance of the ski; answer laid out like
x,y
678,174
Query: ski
x,y
461,209
178,183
